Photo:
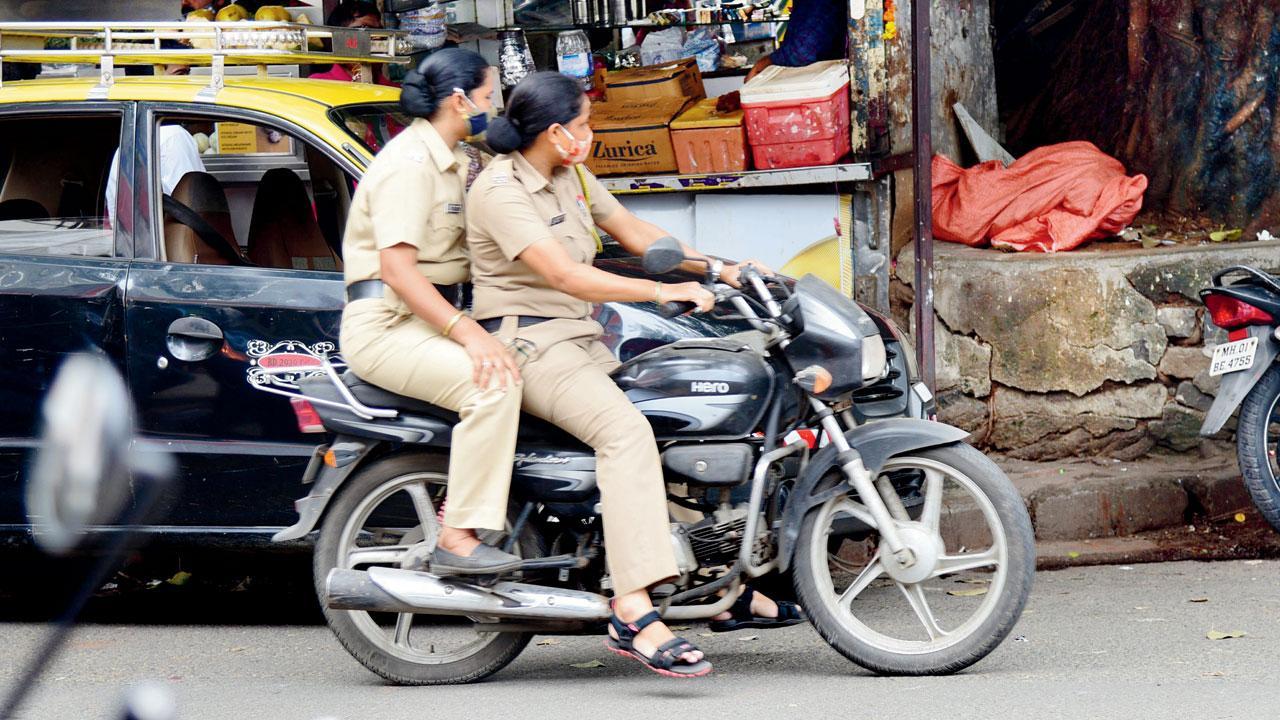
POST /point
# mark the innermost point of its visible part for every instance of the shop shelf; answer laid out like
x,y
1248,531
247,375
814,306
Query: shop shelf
x,y
638,184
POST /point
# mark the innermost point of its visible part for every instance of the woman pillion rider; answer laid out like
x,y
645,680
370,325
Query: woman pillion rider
x,y
403,328
530,225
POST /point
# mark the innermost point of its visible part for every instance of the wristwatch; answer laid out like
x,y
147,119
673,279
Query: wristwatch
x,y
717,266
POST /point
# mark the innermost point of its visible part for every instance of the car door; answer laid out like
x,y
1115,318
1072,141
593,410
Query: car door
x,y
63,267
199,335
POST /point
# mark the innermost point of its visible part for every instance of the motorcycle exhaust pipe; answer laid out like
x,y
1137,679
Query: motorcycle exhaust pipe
x,y
382,589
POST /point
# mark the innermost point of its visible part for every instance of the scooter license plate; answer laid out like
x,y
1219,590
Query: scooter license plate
x,y
1233,357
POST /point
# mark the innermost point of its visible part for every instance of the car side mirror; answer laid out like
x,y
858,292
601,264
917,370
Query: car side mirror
x,y
663,256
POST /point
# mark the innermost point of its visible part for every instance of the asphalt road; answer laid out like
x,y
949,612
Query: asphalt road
x,y
1098,642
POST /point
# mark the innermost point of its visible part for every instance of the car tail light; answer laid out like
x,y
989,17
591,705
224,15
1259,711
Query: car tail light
x,y
1229,313
308,419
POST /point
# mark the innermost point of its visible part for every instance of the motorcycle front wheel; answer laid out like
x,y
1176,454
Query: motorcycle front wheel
x,y
1257,440
382,514
977,560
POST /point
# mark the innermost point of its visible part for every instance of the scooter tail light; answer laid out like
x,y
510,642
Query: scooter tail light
x,y
1229,313
308,419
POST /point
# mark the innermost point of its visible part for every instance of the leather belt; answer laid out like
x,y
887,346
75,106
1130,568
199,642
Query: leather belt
x,y
365,289
493,324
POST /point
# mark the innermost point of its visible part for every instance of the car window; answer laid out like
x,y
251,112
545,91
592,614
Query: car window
x,y
373,124
53,176
239,192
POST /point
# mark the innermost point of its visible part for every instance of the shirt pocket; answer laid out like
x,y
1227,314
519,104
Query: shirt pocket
x,y
573,237
447,231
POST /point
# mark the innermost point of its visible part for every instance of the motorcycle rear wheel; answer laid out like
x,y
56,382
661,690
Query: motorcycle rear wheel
x,y
911,628
380,513
1257,442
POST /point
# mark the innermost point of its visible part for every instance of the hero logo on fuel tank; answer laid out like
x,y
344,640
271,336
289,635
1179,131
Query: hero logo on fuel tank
x,y
710,387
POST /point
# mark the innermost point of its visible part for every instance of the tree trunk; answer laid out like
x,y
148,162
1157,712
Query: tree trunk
x,y
1184,91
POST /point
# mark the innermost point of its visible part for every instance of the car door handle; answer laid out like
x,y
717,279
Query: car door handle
x,y
192,339
196,329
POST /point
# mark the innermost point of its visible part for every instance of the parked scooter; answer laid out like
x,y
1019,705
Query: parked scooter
x,y
1248,308
874,528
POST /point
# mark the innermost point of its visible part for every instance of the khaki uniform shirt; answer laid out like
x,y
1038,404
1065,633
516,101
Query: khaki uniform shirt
x,y
510,207
412,194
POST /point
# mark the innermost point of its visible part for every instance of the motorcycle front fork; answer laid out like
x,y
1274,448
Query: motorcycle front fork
x,y
884,505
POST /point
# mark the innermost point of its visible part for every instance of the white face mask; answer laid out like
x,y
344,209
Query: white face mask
x,y
579,149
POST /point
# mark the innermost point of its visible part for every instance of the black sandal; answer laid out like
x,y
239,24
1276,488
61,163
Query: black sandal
x,y
667,660
742,618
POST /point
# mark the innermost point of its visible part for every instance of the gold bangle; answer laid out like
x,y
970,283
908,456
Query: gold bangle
x,y
657,292
448,327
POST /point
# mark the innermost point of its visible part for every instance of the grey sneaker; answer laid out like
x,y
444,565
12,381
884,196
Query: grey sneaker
x,y
484,560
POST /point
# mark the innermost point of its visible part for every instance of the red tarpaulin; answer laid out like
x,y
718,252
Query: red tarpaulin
x,y
1053,198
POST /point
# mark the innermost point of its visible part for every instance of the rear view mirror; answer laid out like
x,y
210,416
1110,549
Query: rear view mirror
x,y
663,256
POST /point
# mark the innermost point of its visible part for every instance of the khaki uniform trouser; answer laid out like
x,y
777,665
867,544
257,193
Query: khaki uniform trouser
x,y
405,355
567,383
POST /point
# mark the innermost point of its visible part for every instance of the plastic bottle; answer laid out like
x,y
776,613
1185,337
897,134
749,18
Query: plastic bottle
x,y
573,56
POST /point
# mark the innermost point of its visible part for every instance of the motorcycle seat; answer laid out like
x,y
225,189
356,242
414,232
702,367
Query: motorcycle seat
x,y
531,428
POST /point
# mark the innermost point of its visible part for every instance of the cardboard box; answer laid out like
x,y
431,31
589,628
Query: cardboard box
x,y
633,137
706,141
680,79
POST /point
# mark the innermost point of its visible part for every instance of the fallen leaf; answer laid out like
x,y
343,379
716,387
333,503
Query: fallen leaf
x,y
1073,554
973,592
1226,235
549,641
749,638
239,648
153,584
974,581
179,578
1149,242
1218,635
587,665
1199,600
1215,673
678,628
1240,517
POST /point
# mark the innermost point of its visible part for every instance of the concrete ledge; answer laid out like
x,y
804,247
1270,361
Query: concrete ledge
x,y
1083,499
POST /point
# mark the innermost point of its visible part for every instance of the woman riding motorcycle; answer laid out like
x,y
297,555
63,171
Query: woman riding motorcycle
x,y
403,327
531,218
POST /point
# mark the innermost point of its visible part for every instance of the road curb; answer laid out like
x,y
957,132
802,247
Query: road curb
x,y
1089,499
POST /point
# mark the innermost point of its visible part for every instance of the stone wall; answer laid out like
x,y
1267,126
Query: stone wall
x,y
1091,352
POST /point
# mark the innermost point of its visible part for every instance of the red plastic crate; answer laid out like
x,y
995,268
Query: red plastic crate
x,y
807,123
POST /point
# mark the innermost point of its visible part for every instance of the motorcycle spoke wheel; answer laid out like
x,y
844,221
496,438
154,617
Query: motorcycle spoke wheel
x,y
963,586
396,519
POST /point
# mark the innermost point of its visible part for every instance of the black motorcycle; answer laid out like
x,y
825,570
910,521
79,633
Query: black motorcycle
x,y
1248,308
910,551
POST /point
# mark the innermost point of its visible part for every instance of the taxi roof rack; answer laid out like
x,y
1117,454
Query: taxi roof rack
x,y
212,44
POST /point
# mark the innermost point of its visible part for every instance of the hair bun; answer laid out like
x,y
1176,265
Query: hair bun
x,y
503,136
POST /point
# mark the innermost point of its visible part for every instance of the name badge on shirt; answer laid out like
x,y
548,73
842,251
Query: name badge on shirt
x,y
557,220
453,208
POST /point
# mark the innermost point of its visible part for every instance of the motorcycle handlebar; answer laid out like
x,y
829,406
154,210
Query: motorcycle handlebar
x,y
675,307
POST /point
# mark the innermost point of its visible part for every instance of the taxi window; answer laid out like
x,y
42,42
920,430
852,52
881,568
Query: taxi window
x,y
54,172
240,192
373,125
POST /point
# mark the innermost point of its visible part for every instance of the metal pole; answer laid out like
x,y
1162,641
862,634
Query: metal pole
x,y
921,123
